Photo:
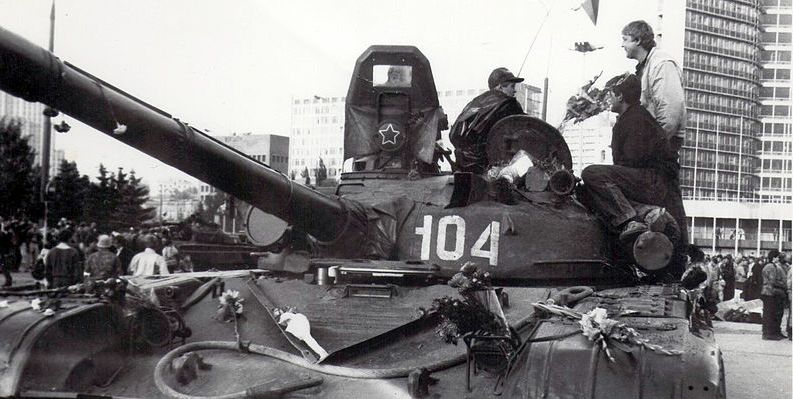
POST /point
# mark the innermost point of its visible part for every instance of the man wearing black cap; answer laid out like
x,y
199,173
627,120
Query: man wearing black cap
x,y
469,133
643,166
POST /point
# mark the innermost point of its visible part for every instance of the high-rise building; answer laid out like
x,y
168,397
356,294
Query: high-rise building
x,y
318,126
30,114
776,138
720,60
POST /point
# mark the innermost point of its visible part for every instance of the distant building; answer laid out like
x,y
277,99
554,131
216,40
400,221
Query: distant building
x,y
174,199
269,149
318,126
590,141
32,117
776,138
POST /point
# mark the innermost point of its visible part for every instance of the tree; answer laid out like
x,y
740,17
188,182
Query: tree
x,y
18,177
67,193
101,200
132,197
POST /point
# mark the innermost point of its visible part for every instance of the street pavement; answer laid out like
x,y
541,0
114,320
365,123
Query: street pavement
x,y
755,369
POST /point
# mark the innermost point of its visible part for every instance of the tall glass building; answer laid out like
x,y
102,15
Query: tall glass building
x,y
776,151
721,67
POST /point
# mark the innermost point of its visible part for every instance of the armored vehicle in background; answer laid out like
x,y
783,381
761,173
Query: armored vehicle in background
x,y
352,298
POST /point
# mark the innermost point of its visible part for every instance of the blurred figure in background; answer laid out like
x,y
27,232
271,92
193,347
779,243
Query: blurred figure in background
x,y
103,264
63,266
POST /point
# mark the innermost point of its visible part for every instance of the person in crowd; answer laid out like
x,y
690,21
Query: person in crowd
x,y
5,250
171,254
714,278
103,264
643,168
470,131
663,97
728,275
186,264
754,282
774,296
789,307
123,252
63,266
741,271
148,262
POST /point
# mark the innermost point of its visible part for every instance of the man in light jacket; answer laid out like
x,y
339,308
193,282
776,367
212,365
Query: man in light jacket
x,y
663,96
662,80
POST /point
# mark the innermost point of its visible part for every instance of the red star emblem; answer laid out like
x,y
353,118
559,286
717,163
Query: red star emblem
x,y
389,134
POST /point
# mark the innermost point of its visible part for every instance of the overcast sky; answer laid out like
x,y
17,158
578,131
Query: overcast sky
x,y
234,66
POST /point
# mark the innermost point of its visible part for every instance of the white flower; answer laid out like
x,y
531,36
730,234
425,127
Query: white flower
x,y
232,298
36,304
229,296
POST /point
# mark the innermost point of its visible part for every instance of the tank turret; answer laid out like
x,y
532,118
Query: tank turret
x,y
394,203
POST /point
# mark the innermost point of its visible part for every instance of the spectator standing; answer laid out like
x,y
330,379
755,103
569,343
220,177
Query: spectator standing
x,y
714,277
754,282
148,262
123,252
103,264
741,271
774,296
789,307
171,255
63,266
728,275
5,249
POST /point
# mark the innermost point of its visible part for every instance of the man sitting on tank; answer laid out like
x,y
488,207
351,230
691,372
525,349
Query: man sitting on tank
x,y
644,166
469,133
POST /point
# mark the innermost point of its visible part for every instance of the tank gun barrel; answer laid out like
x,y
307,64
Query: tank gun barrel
x,y
33,73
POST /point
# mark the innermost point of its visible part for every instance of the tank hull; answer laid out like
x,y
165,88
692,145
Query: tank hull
x,y
364,335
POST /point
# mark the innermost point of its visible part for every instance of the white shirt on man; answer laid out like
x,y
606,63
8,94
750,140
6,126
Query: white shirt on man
x,y
148,263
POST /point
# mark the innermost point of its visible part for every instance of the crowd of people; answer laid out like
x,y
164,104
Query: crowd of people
x,y
766,278
72,253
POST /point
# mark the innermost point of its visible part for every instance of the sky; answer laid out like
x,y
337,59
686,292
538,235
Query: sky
x,y
234,67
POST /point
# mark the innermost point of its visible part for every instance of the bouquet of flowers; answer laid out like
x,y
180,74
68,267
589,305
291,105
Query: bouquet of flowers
x,y
477,311
230,306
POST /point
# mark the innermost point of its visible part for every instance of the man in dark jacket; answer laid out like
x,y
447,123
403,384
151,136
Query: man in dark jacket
x,y
470,132
644,166
64,265
774,296
124,252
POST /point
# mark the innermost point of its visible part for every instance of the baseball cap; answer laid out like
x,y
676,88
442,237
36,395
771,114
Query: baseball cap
x,y
501,75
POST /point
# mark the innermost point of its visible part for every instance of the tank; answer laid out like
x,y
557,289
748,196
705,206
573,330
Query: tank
x,y
407,282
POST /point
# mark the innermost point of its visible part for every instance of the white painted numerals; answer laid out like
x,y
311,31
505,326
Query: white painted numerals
x,y
490,233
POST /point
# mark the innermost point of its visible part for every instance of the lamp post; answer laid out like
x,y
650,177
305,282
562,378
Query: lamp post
x,y
47,136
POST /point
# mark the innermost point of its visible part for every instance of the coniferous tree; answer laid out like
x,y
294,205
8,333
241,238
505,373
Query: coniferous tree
x,y
101,200
68,192
18,177
133,195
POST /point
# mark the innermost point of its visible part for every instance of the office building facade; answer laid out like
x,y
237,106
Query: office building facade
x,y
776,138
